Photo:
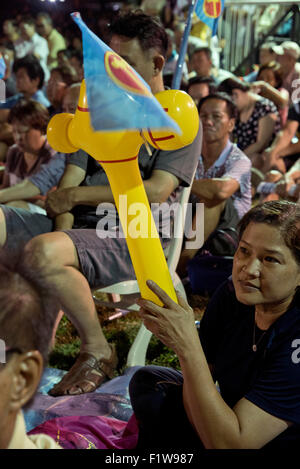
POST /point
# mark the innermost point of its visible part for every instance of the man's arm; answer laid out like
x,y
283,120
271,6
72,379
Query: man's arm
x,y
283,139
39,183
22,191
158,188
215,190
72,177
280,98
265,131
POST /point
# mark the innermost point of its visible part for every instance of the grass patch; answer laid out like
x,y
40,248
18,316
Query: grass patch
x,y
122,332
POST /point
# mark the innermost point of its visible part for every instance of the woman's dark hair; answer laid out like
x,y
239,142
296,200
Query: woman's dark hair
x,y
275,67
283,215
231,107
30,113
32,66
147,29
231,84
67,73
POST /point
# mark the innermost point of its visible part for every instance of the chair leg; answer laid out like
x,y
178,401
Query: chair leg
x,y
115,297
138,350
58,319
178,285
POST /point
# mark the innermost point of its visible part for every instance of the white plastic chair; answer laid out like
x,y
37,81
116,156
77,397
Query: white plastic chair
x,y
137,353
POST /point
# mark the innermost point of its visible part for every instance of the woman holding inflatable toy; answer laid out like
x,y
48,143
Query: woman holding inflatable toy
x,y
79,259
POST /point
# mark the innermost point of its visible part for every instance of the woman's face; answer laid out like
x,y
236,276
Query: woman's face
x,y
240,98
28,139
264,269
268,76
54,80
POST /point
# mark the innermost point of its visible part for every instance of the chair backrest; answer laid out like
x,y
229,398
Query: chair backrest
x,y
174,248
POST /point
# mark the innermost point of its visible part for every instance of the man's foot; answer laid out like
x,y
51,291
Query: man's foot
x,y
87,374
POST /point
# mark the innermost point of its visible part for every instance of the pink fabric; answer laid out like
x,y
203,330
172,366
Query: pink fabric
x,y
90,432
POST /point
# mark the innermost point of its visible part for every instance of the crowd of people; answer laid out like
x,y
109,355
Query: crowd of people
x,y
243,165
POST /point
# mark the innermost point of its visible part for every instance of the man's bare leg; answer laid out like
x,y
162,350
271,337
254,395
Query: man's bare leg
x,y
57,251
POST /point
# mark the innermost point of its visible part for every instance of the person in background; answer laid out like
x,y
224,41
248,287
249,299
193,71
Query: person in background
x,y
30,80
45,179
55,40
258,120
277,186
172,58
249,345
290,68
200,64
222,179
32,43
269,85
199,87
76,61
29,121
8,53
11,31
284,151
268,52
28,310
60,79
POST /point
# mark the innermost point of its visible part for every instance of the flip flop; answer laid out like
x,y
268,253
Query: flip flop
x,y
87,374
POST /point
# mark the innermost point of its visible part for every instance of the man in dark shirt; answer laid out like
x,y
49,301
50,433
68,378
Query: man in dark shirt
x,y
80,259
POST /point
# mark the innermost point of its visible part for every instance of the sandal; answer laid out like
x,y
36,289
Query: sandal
x,y
86,375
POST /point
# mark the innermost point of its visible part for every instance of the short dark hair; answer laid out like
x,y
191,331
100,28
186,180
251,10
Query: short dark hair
x,y
234,83
30,113
67,73
44,14
206,50
28,308
230,106
27,19
283,215
206,80
147,29
32,66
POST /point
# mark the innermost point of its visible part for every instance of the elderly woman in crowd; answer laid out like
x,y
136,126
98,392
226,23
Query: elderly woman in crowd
x,y
249,344
258,120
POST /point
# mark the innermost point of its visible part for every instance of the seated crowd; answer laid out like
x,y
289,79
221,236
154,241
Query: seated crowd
x,y
243,165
